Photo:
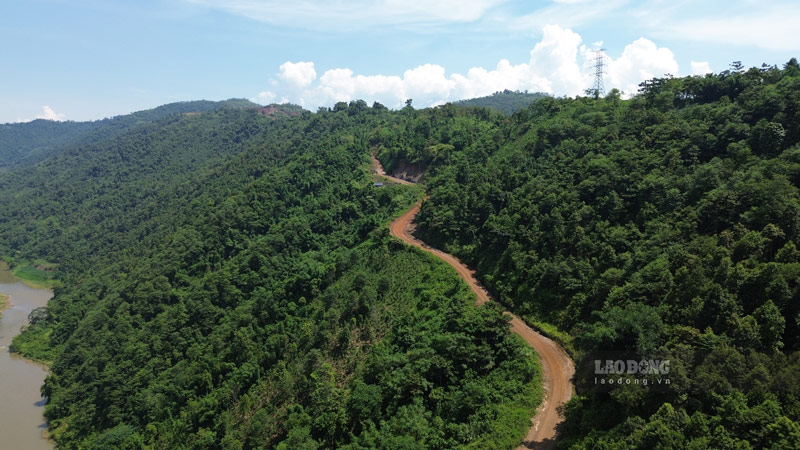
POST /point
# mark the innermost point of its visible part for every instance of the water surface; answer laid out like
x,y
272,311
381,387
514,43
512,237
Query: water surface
x,y
22,425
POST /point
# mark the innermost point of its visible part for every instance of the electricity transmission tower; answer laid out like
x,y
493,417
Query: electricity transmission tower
x,y
599,65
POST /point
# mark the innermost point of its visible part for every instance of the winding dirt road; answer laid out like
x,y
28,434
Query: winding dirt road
x,y
557,367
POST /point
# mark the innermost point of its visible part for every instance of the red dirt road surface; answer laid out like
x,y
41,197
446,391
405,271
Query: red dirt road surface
x,y
557,367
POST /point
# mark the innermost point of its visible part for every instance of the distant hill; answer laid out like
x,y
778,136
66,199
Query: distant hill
x,y
31,142
506,102
19,141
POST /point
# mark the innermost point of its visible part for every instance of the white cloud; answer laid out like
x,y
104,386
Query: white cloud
x,y
337,85
558,65
265,97
640,60
300,74
428,84
355,14
269,97
49,114
700,68
555,59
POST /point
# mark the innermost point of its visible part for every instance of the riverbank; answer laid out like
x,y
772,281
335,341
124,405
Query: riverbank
x,y
5,303
38,274
22,423
5,277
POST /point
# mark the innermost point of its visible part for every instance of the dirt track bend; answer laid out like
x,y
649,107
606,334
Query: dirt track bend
x,y
557,367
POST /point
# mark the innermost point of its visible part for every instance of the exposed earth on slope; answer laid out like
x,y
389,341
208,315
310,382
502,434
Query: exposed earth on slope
x,y
405,173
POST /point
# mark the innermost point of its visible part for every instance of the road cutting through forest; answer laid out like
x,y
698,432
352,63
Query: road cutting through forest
x,y
557,367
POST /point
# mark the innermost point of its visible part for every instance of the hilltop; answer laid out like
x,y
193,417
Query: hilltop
x,y
506,102
30,142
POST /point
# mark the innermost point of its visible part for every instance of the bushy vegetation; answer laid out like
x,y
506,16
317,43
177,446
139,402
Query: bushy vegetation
x,y
34,275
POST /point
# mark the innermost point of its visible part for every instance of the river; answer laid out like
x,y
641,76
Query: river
x,y
22,425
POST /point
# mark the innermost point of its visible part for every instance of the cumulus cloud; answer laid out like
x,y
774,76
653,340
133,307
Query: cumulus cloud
x,y
640,60
265,97
299,74
49,114
554,59
700,68
558,64
269,97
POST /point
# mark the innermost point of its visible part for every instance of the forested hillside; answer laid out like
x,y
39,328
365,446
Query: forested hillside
x,y
36,139
227,282
31,142
664,227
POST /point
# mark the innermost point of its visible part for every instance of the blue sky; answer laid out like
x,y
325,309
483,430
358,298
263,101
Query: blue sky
x,y
89,59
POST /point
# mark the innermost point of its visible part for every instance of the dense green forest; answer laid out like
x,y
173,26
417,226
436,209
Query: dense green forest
x,y
37,139
28,143
227,281
507,102
663,227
